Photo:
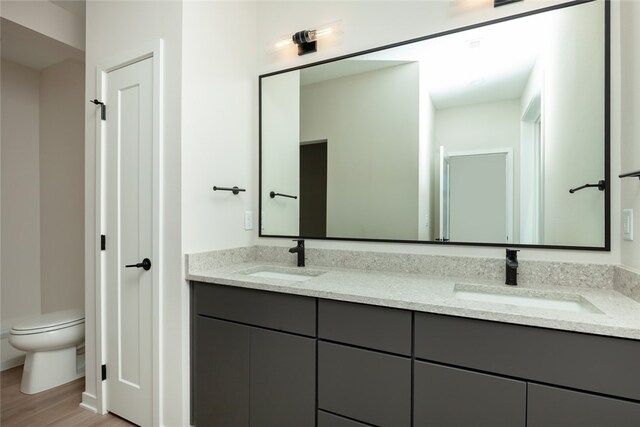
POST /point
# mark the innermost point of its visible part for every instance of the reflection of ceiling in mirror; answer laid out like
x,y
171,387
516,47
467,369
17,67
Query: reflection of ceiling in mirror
x,y
349,67
485,64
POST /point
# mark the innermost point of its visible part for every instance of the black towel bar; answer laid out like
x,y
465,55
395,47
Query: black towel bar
x,y
635,174
234,190
273,194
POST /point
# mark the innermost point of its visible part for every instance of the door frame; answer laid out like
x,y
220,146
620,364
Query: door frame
x,y
148,50
508,151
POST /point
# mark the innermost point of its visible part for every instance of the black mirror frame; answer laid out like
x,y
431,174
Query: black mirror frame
x,y
607,133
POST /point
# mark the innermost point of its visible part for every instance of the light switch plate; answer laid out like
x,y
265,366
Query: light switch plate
x,y
627,224
248,220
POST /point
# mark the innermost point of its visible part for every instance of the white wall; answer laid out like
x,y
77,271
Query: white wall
x,y
370,24
630,16
372,164
488,125
114,29
573,106
426,151
282,108
62,104
219,147
219,124
20,269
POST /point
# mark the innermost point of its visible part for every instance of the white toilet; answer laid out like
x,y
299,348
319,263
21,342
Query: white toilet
x,y
50,341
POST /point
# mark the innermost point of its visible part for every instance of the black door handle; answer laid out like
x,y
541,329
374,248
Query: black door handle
x,y
146,264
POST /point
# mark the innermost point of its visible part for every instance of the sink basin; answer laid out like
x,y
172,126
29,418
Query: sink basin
x,y
564,302
282,274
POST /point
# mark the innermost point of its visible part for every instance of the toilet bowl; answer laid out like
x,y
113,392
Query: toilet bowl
x,y
50,341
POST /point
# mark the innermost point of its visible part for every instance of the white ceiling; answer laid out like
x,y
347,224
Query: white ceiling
x,y
32,49
485,64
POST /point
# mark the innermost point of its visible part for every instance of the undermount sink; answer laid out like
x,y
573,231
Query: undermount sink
x,y
283,274
564,302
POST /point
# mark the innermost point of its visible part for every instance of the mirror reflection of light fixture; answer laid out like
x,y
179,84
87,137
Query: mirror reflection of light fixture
x,y
305,40
497,3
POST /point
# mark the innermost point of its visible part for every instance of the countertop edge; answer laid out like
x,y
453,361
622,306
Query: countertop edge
x,y
435,307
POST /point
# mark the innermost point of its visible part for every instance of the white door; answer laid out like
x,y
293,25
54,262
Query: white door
x,y
129,230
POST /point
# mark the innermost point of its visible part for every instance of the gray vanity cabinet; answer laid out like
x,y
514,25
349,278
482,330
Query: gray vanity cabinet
x,y
251,376
262,359
446,396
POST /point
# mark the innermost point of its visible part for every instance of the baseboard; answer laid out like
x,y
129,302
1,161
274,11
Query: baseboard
x,y
11,363
89,402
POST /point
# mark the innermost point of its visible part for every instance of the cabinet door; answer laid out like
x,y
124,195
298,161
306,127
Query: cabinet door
x,y
445,396
283,379
554,407
221,373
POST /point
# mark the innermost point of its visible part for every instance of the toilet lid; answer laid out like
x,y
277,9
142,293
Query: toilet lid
x,y
50,320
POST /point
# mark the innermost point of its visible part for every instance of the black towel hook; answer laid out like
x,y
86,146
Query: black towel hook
x,y
601,185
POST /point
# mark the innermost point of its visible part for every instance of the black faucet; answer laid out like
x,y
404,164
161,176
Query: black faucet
x,y
511,271
299,249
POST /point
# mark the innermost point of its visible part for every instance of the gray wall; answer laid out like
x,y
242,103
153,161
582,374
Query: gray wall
x,y
372,188
62,186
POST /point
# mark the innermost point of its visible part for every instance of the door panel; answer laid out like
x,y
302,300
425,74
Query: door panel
x,y
129,222
477,197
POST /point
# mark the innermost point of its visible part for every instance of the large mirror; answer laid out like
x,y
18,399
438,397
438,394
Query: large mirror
x,y
475,136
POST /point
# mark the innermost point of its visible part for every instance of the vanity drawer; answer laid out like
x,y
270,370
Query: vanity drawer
x,y
364,385
378,328
445,396
587,362
326,419
282,312
554,407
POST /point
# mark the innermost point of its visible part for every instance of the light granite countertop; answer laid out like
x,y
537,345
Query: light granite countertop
x,y
612,313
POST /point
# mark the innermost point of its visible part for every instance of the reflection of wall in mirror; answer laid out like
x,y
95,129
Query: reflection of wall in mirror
x,y
371,123
280,152
532,160
483,126
572,110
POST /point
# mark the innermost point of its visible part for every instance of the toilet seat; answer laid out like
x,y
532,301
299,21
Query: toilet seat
x,y
49,322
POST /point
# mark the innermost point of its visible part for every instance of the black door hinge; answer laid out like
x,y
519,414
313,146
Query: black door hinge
x,y
103,242
103,108
104,372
